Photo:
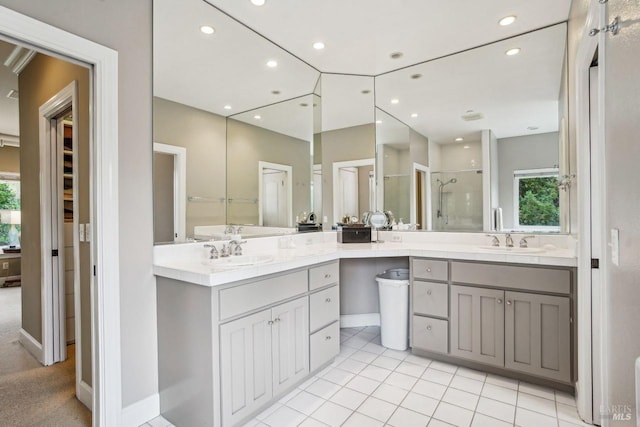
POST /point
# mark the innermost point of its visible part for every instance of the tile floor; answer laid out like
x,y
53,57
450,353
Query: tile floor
x,y
370,386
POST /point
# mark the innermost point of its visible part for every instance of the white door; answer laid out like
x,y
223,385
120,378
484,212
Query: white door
x,y
274,202
348,192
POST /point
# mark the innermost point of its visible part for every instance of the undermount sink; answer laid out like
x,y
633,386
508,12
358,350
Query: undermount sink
x,y
238,261
513,250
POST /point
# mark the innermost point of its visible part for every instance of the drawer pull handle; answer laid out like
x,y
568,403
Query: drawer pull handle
x,y
327,276
327,300
508,302
429,270
277,319
499,301
328,337
429,292
428,327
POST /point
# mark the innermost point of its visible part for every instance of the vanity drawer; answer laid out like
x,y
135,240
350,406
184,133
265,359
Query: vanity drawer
x,y
324,345
244,298
430,298
323,275
324,307
430,269
512,277
430,334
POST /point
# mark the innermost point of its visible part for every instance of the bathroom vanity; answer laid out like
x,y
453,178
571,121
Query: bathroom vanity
x,y
233,341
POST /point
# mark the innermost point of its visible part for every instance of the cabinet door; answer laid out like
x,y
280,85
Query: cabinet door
x,y
477,324
290,343
537,329
245,366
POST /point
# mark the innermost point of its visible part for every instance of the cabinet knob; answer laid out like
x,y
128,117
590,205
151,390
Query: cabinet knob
x,y
429,270
508,302
428,327
326,276
327,300
499,301
328,337
429,292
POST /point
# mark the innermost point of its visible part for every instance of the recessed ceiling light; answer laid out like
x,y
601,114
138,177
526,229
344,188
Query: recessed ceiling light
x,y
416,76
465,147
275,92
318,45
207,29
258,2
396,55
378,121
395,101
227,107
414,115
507,20
257,117
514,51
272,63
459,139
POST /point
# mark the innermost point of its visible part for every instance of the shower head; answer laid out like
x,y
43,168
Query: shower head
x,y
451,181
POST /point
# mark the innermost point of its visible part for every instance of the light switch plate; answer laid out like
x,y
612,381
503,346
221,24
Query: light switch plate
x,y
615,246
87,232
81,231
5,265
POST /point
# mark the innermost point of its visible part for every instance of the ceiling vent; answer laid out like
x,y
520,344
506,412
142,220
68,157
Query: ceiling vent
x,y
13,94
472,116
19,58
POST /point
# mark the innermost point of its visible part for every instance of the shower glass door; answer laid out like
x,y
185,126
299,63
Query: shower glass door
x,y
456,200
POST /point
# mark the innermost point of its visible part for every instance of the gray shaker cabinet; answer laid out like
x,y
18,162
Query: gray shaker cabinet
x,y
538,335
262,355
477,324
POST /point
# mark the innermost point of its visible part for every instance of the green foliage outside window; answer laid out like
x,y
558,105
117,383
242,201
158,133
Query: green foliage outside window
x,y
539,201
8,200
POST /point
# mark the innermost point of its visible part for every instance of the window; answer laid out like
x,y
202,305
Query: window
x,y
9,201
536,200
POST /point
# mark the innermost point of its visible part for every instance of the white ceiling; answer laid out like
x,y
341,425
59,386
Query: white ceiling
x,y
361,34
9,124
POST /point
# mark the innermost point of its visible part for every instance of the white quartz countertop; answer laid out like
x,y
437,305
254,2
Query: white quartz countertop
x,y
189,263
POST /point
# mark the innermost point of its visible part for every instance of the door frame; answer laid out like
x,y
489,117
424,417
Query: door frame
x,y
417,167
104,232
52,288
336,180
283,168
179,187
590,359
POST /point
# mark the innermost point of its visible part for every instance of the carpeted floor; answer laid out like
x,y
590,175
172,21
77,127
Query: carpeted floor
x,y
31,394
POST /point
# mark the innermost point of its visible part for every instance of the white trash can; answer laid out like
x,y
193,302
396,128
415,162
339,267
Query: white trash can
x,y
393,289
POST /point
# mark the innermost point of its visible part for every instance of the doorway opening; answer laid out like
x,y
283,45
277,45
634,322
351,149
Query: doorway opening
x,y
353,189
169,193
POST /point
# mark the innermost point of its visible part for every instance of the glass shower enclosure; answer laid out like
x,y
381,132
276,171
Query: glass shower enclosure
x,y
456,200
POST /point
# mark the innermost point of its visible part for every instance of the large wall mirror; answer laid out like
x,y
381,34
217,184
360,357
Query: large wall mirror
x,y
237,112
492,118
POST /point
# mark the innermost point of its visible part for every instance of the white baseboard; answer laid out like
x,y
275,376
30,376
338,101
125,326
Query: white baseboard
x,y
359,320
84,393
31,345
141,411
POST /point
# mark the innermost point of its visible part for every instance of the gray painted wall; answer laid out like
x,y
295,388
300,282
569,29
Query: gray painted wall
x,y
518,153
126,27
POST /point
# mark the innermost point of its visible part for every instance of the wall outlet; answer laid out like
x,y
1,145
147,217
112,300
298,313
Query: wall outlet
x,y
5,265
396,237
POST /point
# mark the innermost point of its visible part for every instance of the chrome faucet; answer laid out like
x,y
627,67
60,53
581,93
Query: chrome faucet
x,y
524,243
494,240
213,253
508,240
235,247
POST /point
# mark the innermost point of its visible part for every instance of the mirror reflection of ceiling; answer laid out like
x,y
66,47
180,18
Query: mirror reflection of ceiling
x,y
516,95
360,35
229,67
226,68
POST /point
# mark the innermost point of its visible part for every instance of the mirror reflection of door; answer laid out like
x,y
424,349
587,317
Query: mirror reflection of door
x,y
349,191
353,188
169,193
317,190
274,191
